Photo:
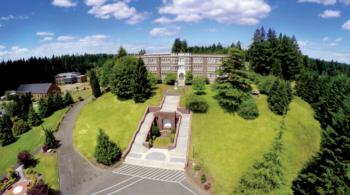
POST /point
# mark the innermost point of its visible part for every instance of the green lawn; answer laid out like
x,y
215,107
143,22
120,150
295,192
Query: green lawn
x,y
238,142
162,142
30,141
47,166
81,93
119,119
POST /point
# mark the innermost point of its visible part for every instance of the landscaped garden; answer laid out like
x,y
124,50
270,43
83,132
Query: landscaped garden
x,y
226,145
29,141
118,118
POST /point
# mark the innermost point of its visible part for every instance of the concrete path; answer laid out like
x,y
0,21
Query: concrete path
x,y
161,158
78,177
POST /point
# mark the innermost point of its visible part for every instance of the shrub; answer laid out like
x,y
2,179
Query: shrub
x,y
197,167
33,118
198,85
39,189
107,152
248,109
230,98
68,99
154,79
155,131
50,140
189,78
197,104
265,84
25,158
203,178
170,78
20,127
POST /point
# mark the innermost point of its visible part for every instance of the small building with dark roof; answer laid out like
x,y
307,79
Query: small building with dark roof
x,y
39,90
70,78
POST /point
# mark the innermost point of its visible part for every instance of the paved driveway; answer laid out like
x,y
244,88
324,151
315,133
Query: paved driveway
x,y
79,177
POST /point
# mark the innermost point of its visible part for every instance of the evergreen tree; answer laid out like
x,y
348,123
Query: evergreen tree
x,y
43,107
95,86
57,102
107,152
121,53
33,118
68,99
50,140
198,85
176,46
122,81
141,85
280,97
259,54
6,136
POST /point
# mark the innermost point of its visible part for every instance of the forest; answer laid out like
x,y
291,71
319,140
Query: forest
x,y
39,70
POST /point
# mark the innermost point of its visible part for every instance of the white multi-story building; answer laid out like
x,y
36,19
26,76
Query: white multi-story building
x,y
199,64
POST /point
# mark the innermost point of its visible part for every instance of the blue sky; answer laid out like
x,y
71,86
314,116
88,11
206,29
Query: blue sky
x,y
56,27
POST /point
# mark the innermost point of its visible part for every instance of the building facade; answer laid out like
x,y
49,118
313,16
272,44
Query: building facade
x,y
70,78
204,65
38,90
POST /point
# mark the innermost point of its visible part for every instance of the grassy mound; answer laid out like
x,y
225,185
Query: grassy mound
x,y
118,118
242,142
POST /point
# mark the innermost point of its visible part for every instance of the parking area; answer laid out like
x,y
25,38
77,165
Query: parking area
x,y
147,181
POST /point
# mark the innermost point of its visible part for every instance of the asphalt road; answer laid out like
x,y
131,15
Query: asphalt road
x,y
78,177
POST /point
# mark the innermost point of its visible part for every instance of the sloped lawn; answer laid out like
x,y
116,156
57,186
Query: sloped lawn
x,y
226,145
118,118
30,141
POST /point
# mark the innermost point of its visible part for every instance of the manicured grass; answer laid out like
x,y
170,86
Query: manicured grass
x,y
162,142
81,93
118,118
47,166
30,141
226,145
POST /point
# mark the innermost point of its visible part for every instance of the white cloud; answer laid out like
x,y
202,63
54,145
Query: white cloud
x,y
12,17
346,2
330,14
336,42
305,43
94,38
163,20
64,3
45,39
119,10
91,44
164,31
45,34
324,2
65,38
346,25
223,11
332,42
94,2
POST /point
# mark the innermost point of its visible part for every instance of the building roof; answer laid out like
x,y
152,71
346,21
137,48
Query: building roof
x,y
68,74
34,88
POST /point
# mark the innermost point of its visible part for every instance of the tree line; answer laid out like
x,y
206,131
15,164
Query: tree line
x,y
180,46
39,70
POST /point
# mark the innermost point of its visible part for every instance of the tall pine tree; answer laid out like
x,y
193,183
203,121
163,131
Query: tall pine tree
x,y
95,85
141,85
6,136
107,152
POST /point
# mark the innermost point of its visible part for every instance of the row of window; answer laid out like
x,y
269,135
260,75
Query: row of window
x,y
164,60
